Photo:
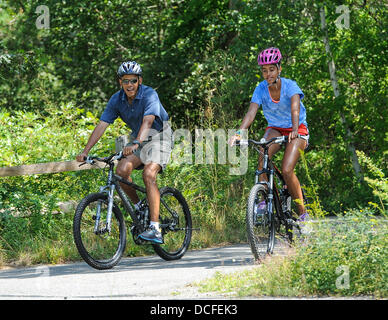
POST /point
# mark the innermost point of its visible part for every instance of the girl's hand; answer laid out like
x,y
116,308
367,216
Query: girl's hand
x,y
293,135
233,139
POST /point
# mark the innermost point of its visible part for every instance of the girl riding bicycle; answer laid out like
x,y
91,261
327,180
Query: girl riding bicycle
x,y
285,113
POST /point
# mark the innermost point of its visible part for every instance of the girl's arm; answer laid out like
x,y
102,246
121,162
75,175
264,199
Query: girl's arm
x,y
295,108
250,116
247,121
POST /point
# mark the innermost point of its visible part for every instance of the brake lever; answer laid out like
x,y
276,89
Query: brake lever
x,y
119,156
87,161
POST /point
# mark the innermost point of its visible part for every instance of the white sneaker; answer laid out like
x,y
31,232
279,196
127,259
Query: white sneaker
x,y
304,223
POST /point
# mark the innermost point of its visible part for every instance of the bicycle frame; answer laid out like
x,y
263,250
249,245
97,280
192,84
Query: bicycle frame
x,y
270,169
273,193
113,183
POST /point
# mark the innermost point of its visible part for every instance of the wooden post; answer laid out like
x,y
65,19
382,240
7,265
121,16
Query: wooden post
x,y
49,167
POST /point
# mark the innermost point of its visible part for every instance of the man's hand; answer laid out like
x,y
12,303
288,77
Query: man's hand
x,y
81,157
130,149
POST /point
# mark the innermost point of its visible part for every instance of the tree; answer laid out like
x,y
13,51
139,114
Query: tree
x,y
333,77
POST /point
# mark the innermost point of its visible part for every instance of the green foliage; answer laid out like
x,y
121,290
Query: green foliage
x,y
27,137
377,181
345,256
32,231
29,230
201,58
357,241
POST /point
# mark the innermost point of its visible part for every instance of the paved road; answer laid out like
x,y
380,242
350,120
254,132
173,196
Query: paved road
x,y
133,278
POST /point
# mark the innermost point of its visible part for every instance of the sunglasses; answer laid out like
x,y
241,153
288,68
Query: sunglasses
x,y
127,81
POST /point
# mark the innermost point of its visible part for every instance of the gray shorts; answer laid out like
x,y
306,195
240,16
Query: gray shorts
x,y
157,148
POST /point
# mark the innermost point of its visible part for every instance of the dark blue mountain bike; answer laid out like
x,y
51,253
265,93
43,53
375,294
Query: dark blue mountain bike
x,y
270,213
99,227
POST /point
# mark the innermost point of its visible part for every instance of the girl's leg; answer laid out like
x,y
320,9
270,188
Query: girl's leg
x,y
269,134
291,157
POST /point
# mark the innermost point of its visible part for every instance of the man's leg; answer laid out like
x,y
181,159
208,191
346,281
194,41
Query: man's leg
x,y
155,156
153,233
149,177
124,170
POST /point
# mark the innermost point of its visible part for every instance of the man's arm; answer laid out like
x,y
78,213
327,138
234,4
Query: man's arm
x,y
93,139
142,135
145,128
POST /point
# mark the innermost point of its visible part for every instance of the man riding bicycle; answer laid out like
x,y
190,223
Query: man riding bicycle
x,y
151,140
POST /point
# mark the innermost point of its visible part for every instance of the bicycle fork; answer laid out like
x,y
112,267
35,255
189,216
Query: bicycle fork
x,y
269,184
107,228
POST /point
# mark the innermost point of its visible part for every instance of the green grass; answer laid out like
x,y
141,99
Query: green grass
x,y
347,258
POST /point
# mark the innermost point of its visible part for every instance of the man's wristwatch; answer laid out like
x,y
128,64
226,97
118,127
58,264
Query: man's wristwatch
x,y
136,142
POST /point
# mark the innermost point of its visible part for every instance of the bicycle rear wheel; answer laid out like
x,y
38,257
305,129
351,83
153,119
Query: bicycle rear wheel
x,y
175,222
102,249
260,227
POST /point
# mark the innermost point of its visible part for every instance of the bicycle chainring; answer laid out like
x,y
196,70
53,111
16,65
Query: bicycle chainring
x,y
135,235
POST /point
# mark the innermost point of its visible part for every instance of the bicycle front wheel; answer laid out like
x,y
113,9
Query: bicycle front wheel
x,y
99,248
260,224
175,222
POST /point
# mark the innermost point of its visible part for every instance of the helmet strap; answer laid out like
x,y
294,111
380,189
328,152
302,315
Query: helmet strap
x,y
276,80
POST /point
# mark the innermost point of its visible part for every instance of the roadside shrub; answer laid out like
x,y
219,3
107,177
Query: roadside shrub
x,y
345,256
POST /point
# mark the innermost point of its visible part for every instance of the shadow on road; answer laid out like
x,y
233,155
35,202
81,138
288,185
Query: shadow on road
x,y
235,255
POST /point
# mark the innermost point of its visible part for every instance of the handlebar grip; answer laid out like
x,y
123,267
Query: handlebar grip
x,y
241,143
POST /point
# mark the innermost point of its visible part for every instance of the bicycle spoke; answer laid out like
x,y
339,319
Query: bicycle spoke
x,y
100,248
259,224
175,222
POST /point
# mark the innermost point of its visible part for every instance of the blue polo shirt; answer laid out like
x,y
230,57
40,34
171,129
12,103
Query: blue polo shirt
x,y
278,113
145,103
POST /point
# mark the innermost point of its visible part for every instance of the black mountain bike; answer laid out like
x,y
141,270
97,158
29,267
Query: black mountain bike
x,y
270,213
99,227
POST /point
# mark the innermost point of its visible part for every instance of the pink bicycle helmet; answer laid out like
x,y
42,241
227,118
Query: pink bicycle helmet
x,y
269,56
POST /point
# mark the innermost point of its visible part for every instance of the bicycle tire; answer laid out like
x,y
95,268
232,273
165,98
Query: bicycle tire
x,y
88,243
260,229
176,231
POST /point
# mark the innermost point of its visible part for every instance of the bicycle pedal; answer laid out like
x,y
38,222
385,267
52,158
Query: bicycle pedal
x,y
292,222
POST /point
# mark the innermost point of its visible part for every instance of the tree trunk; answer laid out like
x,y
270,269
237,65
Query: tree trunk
x,y
334,82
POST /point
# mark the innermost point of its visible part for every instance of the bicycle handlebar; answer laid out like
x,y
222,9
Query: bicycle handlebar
x,y
265,143
92,159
